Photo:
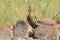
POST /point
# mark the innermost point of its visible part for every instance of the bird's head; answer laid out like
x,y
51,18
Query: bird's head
x,y
30,9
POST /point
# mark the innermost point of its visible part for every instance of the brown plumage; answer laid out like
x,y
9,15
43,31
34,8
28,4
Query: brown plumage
x,y
31,17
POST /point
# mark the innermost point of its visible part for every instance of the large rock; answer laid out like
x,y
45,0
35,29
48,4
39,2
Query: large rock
x,y
22,30
47,21
6,31
46,30
18,38
6,26
6,34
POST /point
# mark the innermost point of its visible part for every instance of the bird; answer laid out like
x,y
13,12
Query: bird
x,y
31,18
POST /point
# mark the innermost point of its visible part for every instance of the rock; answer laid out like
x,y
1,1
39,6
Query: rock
x,y
30,31
6,34
6,26
46,30
22,29
58,28
48,21
6,31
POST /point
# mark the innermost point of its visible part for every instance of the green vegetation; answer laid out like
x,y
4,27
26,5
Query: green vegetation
x,y
13,10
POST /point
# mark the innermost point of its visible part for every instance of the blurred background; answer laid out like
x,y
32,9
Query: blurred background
x,y
13,10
